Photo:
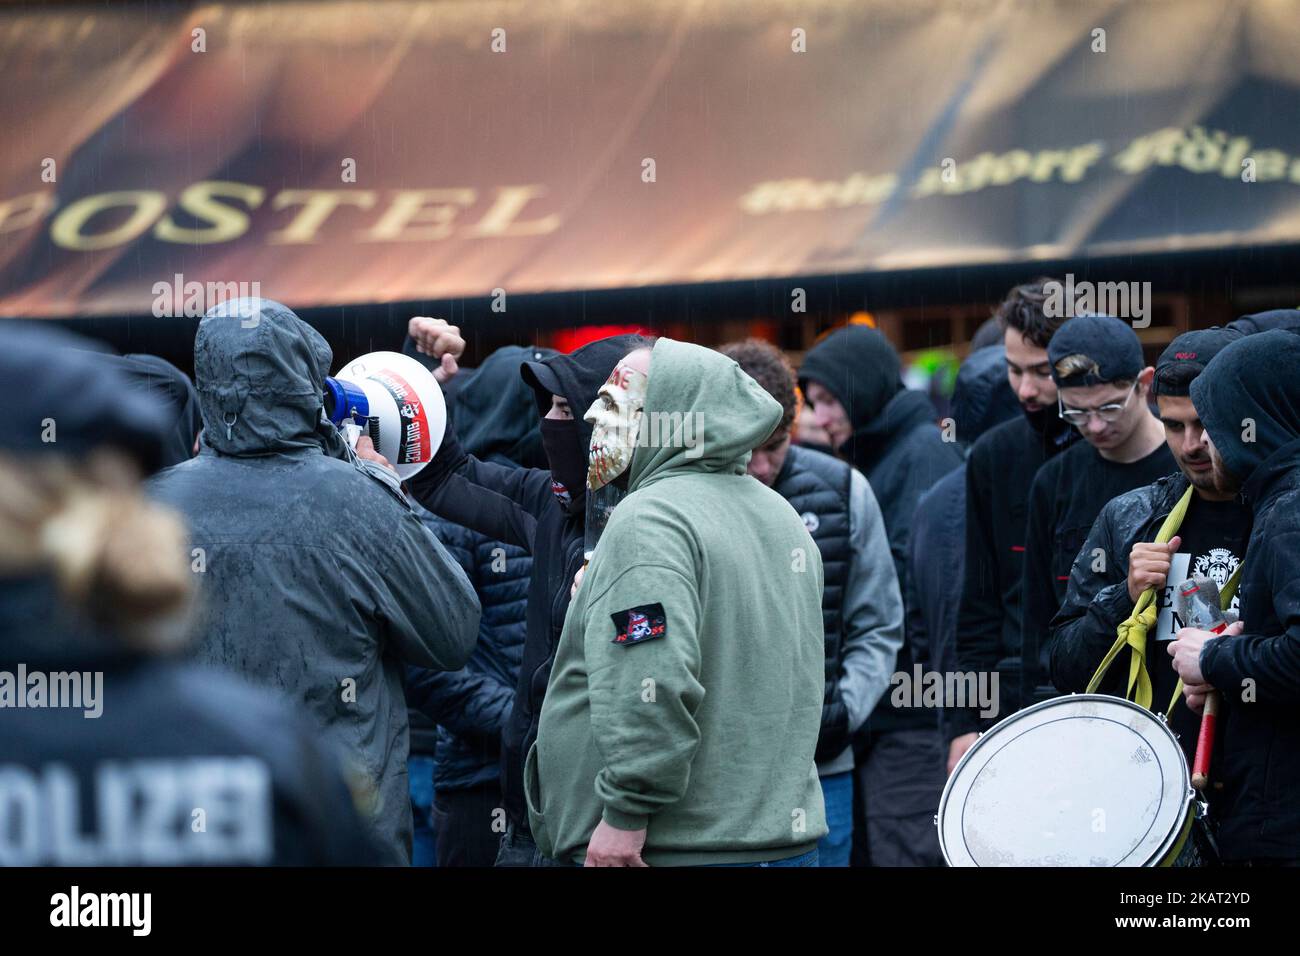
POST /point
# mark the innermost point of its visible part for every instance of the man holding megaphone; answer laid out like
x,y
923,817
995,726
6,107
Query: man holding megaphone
x,y
315,576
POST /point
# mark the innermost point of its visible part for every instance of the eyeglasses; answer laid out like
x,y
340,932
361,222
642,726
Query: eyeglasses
x,y
1108,413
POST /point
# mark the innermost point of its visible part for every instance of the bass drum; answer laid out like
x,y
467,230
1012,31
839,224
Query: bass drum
x,y
1082,780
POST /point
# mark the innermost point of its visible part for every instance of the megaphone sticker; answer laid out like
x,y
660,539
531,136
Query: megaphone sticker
x,y
413,437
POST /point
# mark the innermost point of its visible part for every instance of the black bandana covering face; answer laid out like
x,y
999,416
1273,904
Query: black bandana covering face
x,y
568,460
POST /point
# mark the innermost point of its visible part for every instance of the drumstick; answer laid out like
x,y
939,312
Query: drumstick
x,y
1205,741
1198,606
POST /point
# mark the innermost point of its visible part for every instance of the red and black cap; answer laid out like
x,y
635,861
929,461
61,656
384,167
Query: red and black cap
x,y
1186,357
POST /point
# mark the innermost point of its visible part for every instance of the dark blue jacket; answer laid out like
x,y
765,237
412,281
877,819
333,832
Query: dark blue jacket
x,y
471,705
936,556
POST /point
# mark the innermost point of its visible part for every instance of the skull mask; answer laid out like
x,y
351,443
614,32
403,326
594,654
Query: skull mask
x,y
615,417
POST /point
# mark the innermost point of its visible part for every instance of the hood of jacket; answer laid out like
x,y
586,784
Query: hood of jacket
x,y
907,410
165,384
1249,400
859,367
1288,320
260,374
702,414
495,410
982,396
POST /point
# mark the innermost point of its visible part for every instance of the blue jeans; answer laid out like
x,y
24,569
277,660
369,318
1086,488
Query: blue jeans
x,y
804,859
837,793
423,846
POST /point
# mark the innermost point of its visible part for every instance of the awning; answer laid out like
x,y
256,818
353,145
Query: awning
x,y
351,152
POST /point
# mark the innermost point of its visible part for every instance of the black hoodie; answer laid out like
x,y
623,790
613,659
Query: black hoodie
x,y
1248,397
494,409
494,406
895,443
517,506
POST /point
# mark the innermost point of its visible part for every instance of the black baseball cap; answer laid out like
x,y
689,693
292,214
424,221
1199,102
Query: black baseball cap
x,y
543,380
1111,343
1186,357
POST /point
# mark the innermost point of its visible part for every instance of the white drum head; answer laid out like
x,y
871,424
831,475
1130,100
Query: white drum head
x,y
1083,780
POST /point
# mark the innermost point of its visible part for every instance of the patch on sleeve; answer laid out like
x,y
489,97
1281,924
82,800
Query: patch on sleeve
x,y
638,624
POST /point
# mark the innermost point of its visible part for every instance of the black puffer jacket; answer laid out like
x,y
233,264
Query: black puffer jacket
x,y
1253,381
817,486
471,706
518,506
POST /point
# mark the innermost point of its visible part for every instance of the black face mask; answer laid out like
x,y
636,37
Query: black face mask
x,y
567,456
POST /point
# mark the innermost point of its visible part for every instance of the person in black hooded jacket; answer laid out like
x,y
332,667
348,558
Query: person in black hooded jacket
x,y
1248,397
853,381
316,576
541,511
471,706
1000,471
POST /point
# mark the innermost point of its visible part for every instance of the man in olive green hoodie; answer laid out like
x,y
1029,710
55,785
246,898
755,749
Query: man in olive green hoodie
x,y
683,709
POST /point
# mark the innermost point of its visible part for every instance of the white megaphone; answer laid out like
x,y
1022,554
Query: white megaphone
x,y
396,401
